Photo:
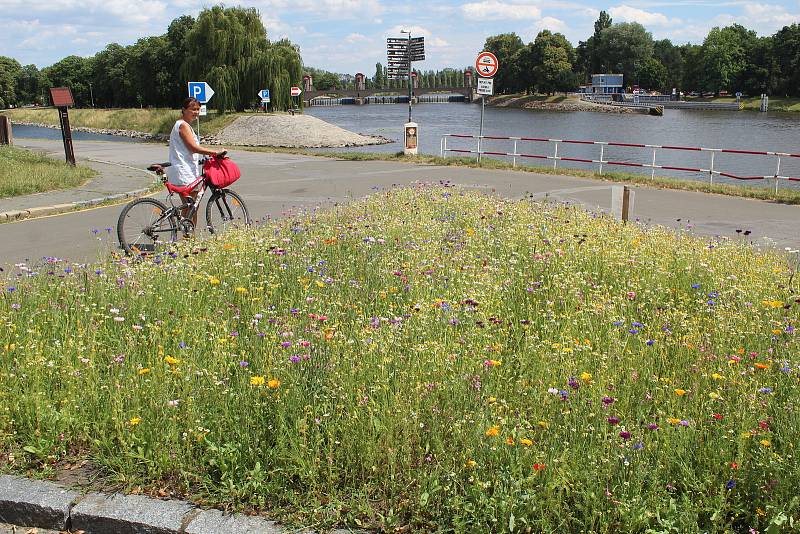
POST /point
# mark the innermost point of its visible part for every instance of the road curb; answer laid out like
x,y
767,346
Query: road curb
x,y
42,504
41,211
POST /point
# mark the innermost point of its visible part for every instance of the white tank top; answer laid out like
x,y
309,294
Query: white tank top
x,y
184,168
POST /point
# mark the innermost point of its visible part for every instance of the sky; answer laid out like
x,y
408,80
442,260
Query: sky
x,y
349,36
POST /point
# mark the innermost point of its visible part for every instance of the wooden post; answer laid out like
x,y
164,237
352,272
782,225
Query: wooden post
x,y
5,130
621,202
66,133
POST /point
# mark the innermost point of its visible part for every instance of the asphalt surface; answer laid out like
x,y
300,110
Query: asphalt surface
x,y
275,184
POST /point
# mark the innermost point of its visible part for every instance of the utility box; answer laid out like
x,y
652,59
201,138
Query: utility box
x,y
410,138
5,130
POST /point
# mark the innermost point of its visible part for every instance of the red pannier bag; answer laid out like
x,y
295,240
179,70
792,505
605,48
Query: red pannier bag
x,y
221,172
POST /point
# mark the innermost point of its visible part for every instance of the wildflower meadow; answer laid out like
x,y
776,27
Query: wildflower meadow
x,y
427,359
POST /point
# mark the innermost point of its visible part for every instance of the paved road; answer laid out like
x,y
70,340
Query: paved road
x,y
274,184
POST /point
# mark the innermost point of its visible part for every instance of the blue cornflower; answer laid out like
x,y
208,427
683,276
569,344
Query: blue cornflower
x,y
765,390
730,484
695,286
617,323
650,342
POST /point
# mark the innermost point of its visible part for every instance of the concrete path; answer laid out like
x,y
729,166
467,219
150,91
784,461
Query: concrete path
x,y
274,184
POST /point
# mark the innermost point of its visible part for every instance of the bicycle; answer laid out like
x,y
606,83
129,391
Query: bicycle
x,y
146,225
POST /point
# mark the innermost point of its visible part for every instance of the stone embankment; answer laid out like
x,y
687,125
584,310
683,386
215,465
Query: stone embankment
x,y
567,104
103,131
290,131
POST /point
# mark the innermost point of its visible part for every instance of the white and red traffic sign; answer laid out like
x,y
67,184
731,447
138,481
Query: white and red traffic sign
x,y
486,64
296,91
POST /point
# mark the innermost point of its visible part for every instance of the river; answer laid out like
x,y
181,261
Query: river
x,y
743,130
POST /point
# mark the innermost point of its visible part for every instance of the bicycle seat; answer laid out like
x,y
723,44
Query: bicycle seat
x,y
183,189
159,167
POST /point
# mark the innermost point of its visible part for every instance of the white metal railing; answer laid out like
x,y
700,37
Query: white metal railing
x,y
710,171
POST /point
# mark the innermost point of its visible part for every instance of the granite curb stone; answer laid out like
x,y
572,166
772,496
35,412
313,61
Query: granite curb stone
x,y
129,514
35,503
214,522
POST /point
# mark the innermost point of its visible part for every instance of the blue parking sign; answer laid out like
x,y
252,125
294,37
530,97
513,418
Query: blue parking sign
x,y
201,91
264,94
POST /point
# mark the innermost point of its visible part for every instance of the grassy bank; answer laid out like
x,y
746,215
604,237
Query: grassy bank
x,y
784,195
427,359
153,121
23,172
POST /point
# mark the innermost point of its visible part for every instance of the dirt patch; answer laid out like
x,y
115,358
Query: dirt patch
x,y
291,131
560,104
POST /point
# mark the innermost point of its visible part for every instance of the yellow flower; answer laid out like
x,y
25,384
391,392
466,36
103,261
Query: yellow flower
x,y
214,281
470,232
135,421
717,376
228,246
492,400
765,443
543,424
495,430
170,360
143,371
256,380
776,331
319,283
673,420
713,396
526,442
680,392
241,290
586,377
274,383
509,440
471,463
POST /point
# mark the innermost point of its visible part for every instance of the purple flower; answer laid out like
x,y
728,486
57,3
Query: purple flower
x,y
730,484
683,422
182,345
638,446
608,400
613,420
294,359
286,344
573,383
15,306
11,289
625,435
765,390
617,323
243,363
650,342
652,426
695,286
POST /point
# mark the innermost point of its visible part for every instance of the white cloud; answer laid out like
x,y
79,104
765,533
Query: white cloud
x,y
496,10
550,23
626,13
354,38
416,31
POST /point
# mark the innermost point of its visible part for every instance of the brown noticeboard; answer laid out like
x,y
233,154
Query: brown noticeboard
x,y
61,97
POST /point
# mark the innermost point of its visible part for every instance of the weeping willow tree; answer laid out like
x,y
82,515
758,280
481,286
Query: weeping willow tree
x,y
228,48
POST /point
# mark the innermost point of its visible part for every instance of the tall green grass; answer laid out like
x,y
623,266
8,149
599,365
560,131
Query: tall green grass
x,y
426,359
23,172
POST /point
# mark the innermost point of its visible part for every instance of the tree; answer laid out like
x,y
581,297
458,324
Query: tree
x,y
786,51
725,52
553,56
596,62
505,46
228,47
111,81
31,83
625,47
379,79
74,72
671,58
9,71
692,79
653,75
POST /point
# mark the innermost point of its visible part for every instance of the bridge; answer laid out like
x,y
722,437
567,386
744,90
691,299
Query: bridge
x,y
361,95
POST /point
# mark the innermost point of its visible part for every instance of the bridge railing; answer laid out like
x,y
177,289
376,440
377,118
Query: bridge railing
x,y
711,171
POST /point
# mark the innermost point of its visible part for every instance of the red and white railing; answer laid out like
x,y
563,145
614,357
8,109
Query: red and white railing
x,y
710,171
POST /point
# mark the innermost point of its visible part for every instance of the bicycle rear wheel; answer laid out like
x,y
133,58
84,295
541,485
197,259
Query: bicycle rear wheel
x,y
145,226
225,210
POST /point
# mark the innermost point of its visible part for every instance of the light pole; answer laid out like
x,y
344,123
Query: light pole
x,y
91,94
408,58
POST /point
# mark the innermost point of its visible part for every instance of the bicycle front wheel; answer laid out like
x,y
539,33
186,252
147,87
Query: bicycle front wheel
x,y
145,226
226,210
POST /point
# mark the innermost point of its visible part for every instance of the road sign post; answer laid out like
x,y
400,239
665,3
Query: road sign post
x,y
203,93
264,96
486,65
400,53
295,92
61,97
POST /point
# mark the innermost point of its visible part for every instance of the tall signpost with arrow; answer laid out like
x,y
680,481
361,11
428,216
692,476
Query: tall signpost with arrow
x,y
400,54
486,64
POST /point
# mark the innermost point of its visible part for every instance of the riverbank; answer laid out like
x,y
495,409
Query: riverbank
x,y
245,129
553,103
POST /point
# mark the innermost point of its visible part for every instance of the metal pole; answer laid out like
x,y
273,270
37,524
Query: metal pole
x,y
602,147
777,173
711,170
514,160
653,171
408,53
480,134
555,155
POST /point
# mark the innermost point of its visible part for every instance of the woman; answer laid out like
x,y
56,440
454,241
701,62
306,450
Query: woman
x,y
184,148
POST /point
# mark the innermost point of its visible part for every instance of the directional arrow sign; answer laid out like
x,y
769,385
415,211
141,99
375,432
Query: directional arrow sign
x,y
201,91
295,91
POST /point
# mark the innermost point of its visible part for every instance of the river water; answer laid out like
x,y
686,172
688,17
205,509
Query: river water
x,y
36,132
742,130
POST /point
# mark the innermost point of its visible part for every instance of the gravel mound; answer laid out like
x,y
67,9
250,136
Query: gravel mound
x,y
292,131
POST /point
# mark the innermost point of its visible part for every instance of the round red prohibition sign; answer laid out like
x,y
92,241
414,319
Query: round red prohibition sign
x,y
486,64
